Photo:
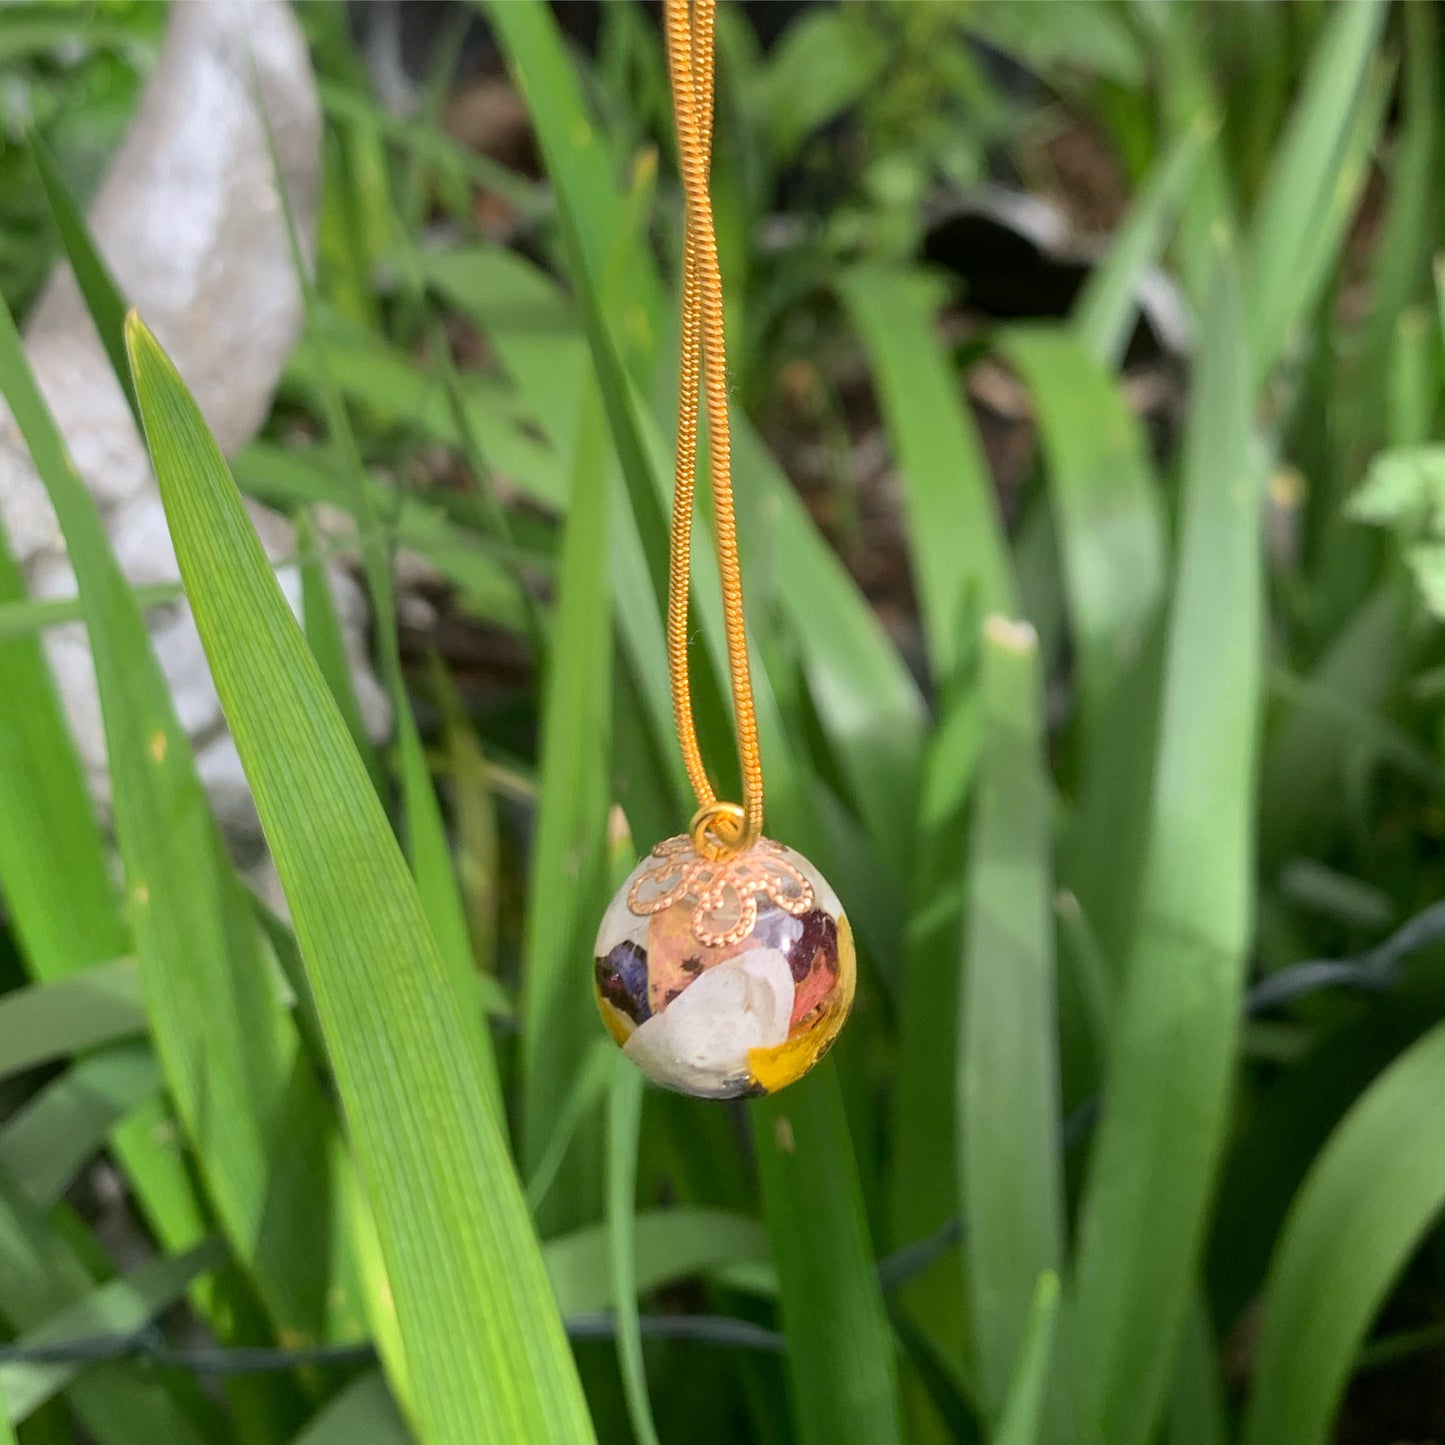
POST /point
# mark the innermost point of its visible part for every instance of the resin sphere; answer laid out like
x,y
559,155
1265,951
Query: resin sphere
x,y
725,978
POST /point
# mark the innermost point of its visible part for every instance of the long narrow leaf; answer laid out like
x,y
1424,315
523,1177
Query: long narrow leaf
x,y
427,848
1297,210
120,1307
327,643
1401,271
569,863
156,1165
361,1414
624,1123
484,1344
1187,93
102,297
1369,1200
1023,1414
53,871
45,1143
956,538
247,1097
1011,1184
1167,1085
962,572
1110,520
851,1396
24,618
1109,526
41,1278
671,1245
1103,316
97,1005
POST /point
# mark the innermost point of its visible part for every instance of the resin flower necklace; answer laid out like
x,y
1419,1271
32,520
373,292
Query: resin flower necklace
x,y
725,964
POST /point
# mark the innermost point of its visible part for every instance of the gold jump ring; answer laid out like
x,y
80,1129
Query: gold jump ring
x,y
719,830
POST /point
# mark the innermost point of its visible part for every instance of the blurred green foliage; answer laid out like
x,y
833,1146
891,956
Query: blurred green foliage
x,y
1135,1133
71,74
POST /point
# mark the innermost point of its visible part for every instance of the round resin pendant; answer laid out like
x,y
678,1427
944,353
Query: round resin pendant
x,y
725,977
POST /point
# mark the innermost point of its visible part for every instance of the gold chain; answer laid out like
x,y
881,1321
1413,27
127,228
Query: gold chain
x,y
719,829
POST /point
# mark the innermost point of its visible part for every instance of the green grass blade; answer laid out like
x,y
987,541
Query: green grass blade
x,y
377,1297
41,1278
1197,1412
1110,534
624,1127
92,275
328,647
288,479
96,1005
1322,253
53,872
1401,265
591,216
1110,518
1022,1422
671,1245
578,163
925,1199
1312,744
361,1414
45,1143
868,704
840,1347
484,1345
1412,378
955,536
474,811
246,1096
584,1098
569,873
1010,1180
118,1308
432,145
158,1172
1289,243
1170,1066
962,569
427,848
25,618
1370,1198
393,387
1188,91
1103,315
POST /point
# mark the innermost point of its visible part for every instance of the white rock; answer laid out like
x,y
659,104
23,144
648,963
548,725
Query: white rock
x,y
188,220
